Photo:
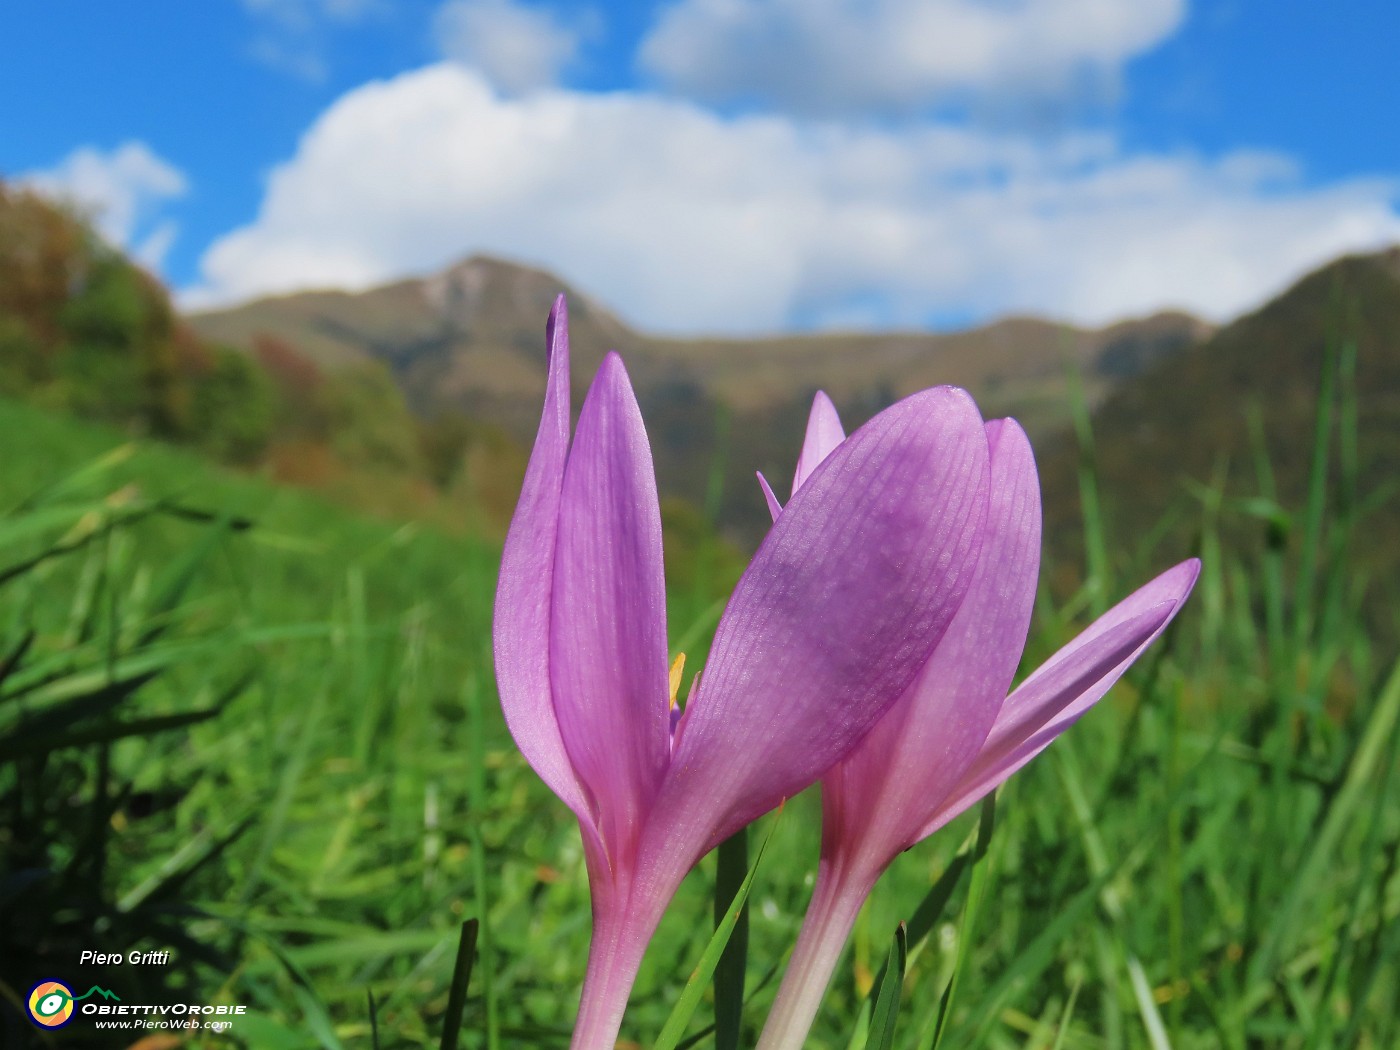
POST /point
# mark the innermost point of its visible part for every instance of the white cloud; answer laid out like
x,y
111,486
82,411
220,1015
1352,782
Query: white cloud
x,y
292,34
688,222
152,249
122,192
838,56
303,13
300,58
518,48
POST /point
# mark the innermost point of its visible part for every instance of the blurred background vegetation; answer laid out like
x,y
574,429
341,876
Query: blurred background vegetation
x,y
254,722
86,332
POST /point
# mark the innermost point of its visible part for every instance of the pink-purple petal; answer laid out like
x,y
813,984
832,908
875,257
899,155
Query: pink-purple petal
x,y
521,621
774,507
608,634
878,798
854,586
824,433
1068,684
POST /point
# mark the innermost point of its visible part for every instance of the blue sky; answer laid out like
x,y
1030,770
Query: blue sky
x,y
733,166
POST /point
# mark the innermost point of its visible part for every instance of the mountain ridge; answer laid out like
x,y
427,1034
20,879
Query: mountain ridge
x,y
470,339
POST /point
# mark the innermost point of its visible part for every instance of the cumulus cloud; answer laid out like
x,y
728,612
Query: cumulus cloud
x,y
122,192
688,222
518,48
838,56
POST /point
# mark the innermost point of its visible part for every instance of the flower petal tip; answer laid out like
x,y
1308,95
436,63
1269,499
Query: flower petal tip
x,y
774,507
1179,580
824,434
557,327
998,430
944,401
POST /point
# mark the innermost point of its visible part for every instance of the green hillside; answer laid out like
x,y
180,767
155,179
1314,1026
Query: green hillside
x,y
1239,413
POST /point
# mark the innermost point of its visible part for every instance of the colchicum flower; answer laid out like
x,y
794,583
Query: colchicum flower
x,y
835,617
954,735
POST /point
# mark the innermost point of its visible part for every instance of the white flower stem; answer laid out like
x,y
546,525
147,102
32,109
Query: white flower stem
x,y
620,937
836,901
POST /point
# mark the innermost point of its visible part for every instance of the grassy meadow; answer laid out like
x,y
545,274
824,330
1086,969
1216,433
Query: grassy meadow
x,y
250,726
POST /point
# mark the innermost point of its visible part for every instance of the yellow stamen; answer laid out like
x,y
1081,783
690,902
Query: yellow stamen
x,y
676,669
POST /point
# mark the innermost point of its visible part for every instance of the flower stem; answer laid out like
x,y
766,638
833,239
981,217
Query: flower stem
x,y
836,901
614,957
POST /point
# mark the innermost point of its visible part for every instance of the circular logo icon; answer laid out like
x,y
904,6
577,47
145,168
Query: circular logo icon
x,y
51,1004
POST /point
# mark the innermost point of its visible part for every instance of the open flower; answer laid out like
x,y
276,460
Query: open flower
x,y
954,734
833,620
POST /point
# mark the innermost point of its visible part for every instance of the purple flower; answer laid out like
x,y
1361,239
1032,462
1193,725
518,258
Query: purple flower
x,y
954,735
832,622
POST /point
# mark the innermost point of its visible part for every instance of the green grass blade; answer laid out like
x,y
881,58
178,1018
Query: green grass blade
x,y
699,1037
732,862
1036,957
12,660
968,931
24,744
1346,949
479,880
1066,1016
80,479
1382,949
931,908
461,978
175,582
199,851
887,993
1113,899
674,1028
1349,798
289,778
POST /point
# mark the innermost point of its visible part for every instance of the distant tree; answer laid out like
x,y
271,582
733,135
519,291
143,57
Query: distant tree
x,y
297,381
42,250
120,362
234,407
84,330
370,424
443,442
23,361
102,326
